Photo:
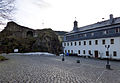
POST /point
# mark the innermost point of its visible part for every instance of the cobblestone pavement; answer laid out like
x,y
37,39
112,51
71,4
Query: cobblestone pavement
x,y
51,69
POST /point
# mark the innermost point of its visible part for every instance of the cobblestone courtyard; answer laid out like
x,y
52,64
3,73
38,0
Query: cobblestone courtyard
x,y
50,69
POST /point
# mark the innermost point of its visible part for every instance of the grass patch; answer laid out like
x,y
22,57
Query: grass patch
x,y
2,58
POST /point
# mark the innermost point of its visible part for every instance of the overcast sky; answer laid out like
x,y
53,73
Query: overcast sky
x,y
60,14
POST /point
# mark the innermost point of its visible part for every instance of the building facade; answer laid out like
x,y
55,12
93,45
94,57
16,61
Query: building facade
x,y
99,40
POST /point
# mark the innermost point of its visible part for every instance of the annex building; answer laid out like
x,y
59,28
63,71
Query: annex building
x,y
99,40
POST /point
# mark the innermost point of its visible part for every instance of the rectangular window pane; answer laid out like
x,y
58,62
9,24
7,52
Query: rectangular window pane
x,y
75,43
89,51
90,43
65,51
83,51
72,51
114,53
68,51
116,30
78,51
96,42
64,44
84,42
79,43
112,41
107,53
103,41
67,44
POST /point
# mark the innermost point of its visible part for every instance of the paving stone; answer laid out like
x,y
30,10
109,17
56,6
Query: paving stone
x,y
51,69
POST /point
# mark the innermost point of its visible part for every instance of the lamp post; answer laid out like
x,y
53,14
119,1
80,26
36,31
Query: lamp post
x,y
63,54
107,54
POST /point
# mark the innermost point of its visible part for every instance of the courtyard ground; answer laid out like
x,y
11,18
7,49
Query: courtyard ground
x,y
51,69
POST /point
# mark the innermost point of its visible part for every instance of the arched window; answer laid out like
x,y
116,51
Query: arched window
x,y
30,33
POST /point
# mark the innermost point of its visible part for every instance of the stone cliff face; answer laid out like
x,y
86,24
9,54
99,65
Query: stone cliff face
x,y
25,39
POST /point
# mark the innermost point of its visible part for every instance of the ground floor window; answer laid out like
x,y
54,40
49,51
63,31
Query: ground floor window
x,y
68,51
89,52
78,51
114,53
72,51
107,53
65,51
83,51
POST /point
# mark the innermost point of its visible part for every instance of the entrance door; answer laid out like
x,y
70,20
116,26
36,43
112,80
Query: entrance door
x,y
96,53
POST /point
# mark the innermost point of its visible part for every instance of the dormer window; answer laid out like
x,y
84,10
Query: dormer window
x,y
117,30
92,34
85,35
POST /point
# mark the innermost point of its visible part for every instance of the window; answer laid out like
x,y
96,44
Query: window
x,y
83,51
112,41
71,43
92,34
84,42
78,51
85,35
90,43
75,43
114,53
117,30
67,44
72,51
89,52
68,51
107,53
105,32
96,42
103,41
79,43
65,51
64,44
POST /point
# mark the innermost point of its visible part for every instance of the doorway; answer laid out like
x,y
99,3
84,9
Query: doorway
x,y
96,53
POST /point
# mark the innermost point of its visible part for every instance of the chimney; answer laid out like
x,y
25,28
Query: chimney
x,y
111,18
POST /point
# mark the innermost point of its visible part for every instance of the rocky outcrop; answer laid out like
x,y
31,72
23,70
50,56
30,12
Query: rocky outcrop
x,y
25,39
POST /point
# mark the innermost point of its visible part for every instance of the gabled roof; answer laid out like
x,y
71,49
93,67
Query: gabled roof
x,y
98,25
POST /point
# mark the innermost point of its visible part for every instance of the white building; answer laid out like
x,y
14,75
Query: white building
x,y
99,40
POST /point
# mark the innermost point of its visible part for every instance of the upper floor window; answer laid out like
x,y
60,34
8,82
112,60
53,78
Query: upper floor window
x,y
90,43
96,42
79,35
117,30
75,43
106,32
84,42
85,35
79,43
64,44
67,44
71,43
103,41
92,34
112,41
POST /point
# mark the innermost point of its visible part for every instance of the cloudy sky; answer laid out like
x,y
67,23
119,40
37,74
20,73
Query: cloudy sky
x,y
60,14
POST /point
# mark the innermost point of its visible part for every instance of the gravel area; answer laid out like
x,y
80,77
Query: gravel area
x,y
51,69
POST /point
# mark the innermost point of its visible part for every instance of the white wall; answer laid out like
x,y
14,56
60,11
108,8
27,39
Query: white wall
x,y
100,47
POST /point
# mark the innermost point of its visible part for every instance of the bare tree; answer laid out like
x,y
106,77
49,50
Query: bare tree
x,y
6,8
